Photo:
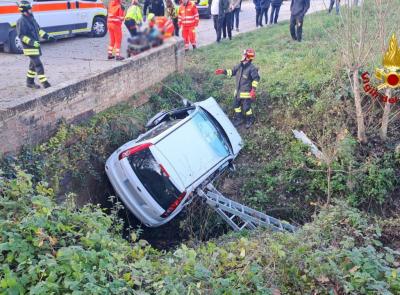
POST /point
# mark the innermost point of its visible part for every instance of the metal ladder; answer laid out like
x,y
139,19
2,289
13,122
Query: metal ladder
x,y
239,216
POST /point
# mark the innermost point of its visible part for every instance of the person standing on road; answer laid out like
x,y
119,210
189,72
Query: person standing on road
x,y
247,79
172,14
219,9
188,20
114,25
257,4
227,22
155,6
275,7
337,2
134,18
298,9
236,6
30,33
215,15
265,4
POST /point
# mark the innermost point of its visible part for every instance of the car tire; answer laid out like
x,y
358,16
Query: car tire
x,y
14,44
99,27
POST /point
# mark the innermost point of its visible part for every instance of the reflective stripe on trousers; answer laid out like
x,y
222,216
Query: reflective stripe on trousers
x,y
31,74
42,78
36,67
31,51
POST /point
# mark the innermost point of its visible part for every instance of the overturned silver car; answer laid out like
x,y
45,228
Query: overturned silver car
x,y
185,148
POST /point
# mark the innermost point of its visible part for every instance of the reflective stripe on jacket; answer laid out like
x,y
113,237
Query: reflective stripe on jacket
x,y
188,16
29,33
247,77
134,13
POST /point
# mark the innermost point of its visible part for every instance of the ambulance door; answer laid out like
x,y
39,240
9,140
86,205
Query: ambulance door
x,y
87,11
56,16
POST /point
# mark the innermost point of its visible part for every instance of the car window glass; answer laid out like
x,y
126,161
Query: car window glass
x,y
153,179
211,134
159,129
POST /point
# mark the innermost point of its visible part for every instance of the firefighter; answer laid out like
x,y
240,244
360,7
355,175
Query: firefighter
x,y
114,25
134,18
30,33
247,79
188,20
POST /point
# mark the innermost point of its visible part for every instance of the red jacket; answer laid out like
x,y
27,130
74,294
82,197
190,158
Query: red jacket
x,y
115,12
165,26
188,16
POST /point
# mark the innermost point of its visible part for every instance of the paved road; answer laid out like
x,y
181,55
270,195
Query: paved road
x,y
75,58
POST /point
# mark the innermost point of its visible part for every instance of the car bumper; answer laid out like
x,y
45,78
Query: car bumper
x,y
204,11
119,182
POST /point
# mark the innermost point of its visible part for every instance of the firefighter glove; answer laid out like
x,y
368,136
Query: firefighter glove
x,y
52,39
253,93
36,44
219,72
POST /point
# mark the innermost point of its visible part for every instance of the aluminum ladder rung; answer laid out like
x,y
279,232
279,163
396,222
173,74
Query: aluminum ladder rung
x,y
246,217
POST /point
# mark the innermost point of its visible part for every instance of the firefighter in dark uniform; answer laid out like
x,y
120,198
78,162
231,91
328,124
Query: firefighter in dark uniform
x,y
30,33
247,79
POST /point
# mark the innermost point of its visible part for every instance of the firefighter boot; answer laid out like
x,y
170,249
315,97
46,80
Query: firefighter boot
x,y
30,83
46,84
249,121
237,119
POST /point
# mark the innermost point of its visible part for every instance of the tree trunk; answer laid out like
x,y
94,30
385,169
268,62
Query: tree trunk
x,y
329,178
385,117
361,135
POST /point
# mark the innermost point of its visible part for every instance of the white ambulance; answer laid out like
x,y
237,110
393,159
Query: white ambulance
x,y
59,18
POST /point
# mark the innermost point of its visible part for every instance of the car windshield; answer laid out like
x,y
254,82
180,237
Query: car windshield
x,y
153,178
211,134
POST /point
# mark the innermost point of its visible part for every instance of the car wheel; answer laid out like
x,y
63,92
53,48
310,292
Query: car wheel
x,y
99,27
14,44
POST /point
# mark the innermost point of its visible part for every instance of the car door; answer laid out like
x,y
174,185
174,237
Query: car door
x,y
57,17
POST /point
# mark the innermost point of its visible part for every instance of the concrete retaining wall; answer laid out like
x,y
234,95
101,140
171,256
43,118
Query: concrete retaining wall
x,y
36,118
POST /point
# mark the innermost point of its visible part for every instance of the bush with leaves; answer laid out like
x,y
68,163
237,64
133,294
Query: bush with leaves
x,y
48,248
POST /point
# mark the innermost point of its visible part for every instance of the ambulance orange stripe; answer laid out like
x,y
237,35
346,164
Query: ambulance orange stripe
x,y
9,9
90,5
50,7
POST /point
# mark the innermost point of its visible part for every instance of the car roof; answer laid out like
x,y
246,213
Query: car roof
x,y
193,148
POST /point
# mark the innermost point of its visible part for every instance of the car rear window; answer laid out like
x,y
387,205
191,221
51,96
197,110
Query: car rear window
x,y
153,179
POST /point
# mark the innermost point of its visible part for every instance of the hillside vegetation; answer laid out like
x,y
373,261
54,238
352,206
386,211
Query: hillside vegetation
x,y
51,242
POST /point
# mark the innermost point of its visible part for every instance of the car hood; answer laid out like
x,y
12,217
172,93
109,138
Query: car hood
x,y
213,108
